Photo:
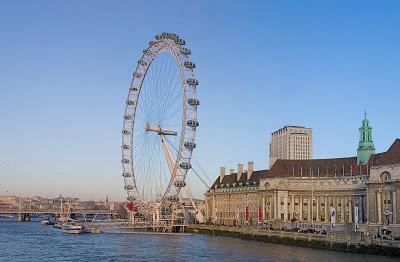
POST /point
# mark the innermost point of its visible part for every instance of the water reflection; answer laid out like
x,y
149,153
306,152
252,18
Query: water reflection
x,y
33,241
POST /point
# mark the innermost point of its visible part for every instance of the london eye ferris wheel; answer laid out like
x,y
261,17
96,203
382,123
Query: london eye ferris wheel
x,y
159,125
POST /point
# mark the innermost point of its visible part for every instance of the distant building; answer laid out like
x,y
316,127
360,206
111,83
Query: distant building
x,y
9,200
290,142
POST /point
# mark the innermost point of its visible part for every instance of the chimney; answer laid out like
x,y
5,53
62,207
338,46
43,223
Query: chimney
x,y
221,174
240,172
250,168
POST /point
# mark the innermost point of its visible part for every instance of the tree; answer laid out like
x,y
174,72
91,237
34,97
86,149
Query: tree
x,y
121,211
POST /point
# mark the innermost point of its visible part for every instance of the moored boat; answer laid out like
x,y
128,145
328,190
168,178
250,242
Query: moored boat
x,y
47,222
72,229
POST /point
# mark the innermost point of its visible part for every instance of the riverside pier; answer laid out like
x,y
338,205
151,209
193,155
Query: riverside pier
x,y
356,242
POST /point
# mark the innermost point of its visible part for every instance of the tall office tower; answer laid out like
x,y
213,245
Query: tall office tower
x,y
290,142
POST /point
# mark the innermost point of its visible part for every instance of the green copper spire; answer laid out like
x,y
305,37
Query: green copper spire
x,y
365,145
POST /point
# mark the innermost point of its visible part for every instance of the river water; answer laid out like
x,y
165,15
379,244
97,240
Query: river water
x,y
32,241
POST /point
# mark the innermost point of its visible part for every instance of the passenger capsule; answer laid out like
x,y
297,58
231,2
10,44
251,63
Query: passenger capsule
x,y
157,37
130,103
193,102
172,198
151,42
185,51
192,123
127,117
189,64
128,187
192,81
133,89
171,36
126,132
138,74
147,52
131,198
180,41
190,145
180,183
184,165
126,174
142,63
126,147
125,161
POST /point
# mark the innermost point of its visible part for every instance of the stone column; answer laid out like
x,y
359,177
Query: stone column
x,y
300,208
317,208
285,209
213,207
334,206
394,207
350,209
276,202
379,207
292,207
263,207
367,206
278,206
229,210
326,210
358,199
364,207
342,209
309,217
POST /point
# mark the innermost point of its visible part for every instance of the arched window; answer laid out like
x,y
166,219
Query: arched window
x,y
386,177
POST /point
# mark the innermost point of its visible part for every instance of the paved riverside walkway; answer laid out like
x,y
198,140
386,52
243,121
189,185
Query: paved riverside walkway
x,y
357,242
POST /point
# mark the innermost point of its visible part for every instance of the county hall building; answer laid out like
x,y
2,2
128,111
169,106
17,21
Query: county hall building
x,y
364,189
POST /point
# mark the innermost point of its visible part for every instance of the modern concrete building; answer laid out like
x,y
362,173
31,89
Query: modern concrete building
x,y
290,142
307,190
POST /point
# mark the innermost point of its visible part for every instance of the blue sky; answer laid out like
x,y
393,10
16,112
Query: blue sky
x,y
65,67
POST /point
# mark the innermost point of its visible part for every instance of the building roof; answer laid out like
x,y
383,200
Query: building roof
x,y
301,127
391,156
232,178
332,167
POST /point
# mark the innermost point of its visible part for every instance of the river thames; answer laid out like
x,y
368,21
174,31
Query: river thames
x,y
33,241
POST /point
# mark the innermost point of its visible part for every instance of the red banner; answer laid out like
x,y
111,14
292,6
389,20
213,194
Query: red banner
x,y
131,206
259,215
247,215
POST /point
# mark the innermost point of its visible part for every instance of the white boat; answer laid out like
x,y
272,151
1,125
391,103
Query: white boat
x,y
72,229
47,222
6,216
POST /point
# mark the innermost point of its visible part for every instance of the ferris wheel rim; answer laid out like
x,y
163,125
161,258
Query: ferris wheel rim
x,y
173,49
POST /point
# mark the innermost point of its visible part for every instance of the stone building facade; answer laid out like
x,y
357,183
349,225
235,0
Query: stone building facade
x,y
383,189
232,196
306,191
